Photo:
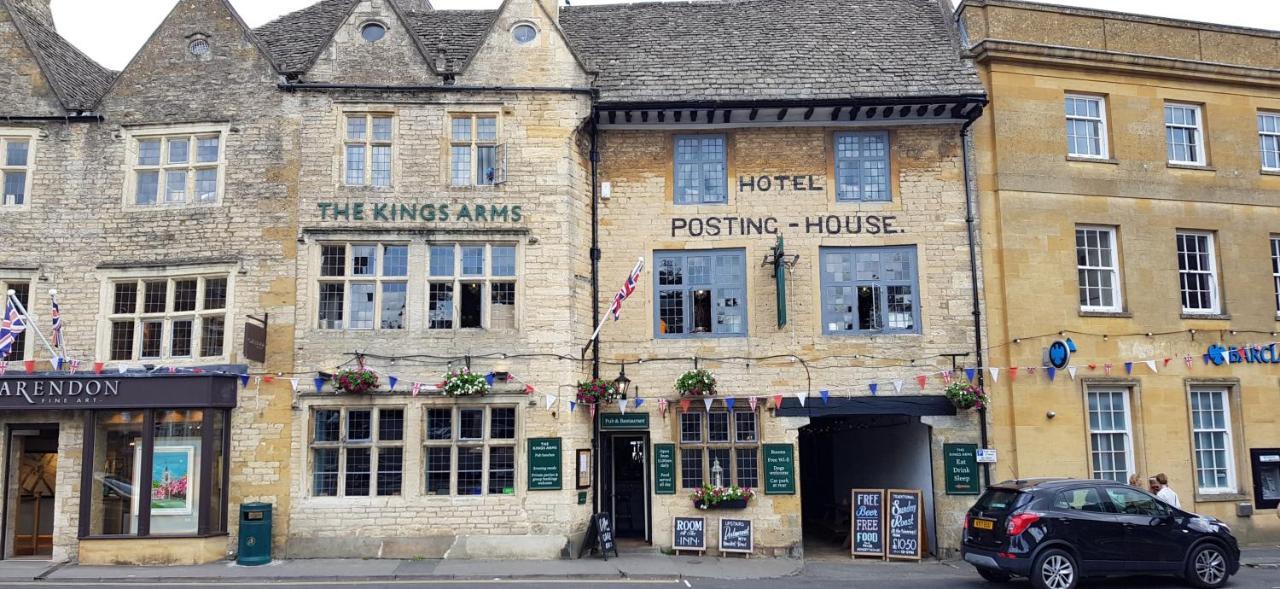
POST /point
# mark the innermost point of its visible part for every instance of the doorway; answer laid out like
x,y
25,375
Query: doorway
x,y
839,453
31,476
626,483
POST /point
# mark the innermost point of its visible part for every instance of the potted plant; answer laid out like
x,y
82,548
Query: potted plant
x,y
356,382
731,497
965,395
598,391
464,383
696,383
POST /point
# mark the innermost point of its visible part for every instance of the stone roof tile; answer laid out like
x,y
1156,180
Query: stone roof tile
x,y
78,81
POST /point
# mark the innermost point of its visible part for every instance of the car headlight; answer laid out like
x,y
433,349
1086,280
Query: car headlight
x,y
1207,525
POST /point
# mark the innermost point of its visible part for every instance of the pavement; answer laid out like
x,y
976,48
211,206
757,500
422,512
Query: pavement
x,y
628,567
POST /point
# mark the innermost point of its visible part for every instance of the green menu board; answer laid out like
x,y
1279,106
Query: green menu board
x,y
779,469
960,464
544,464
664,469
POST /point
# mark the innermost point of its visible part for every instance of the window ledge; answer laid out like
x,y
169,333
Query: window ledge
x,y
1270,172
1115,314
1220,497
1191,167
475,188
1093,160
1209,316
154,536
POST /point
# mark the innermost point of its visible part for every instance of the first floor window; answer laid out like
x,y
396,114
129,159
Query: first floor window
x,y
1197,272
367,150
1110,435
357,451
16,159
475,156
869,290
719,447
701,169
701,293
1275,269
22,291
1211,439
1184,134
363,286
862,166
178,167
1098,269
1086,126
470,450
168,317
1269,139
471,286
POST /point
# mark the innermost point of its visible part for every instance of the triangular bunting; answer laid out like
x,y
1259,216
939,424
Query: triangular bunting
x,y
970,373
707,402
728,402
293,383
1013,373
244,380
897,386
319,383
753,401
640,402
1128,367
920,380
622,406
592,407
1072,371
1051,371
551,401
873,386
777,401
826,395
1106,369
1152,365
391,382
684,405
801,397
995,373
572,406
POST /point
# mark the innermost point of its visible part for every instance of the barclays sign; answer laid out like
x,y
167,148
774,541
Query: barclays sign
x,y
1220,355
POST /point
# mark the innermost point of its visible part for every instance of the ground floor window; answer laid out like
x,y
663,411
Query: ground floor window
x,y
719,445
470,450
357,451
155,472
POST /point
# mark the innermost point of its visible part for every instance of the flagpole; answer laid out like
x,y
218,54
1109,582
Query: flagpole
x,y
62,340
31,323
596,333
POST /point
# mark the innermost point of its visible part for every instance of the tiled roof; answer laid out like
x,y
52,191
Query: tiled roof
x,y
77,80
743,50
295,39
705,51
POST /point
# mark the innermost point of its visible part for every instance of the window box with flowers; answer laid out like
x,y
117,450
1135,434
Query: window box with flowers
x,y
965,396
731,497
598,391
356,382
464,383
696,383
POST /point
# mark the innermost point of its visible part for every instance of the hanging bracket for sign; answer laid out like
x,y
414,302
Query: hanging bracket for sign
x,y
781,262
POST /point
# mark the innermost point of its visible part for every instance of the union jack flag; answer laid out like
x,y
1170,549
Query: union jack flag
x,y
628,287
11,327
56,315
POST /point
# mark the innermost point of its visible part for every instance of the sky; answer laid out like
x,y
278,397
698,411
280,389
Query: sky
x,y
110,34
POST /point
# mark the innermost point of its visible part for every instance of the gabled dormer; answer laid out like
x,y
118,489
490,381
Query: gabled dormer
x,y
374,44
524,46
201,63
44,74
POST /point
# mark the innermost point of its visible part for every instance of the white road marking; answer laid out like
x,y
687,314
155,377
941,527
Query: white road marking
x,y
686,583
349,583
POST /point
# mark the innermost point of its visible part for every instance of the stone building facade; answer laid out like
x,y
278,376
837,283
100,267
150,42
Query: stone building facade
x,y
418,192
1127,169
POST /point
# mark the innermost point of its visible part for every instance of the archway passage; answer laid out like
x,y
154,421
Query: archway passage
x,y
839,453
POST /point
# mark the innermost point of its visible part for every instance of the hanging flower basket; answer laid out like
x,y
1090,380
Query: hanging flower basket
x,y
356,382
731,497
598,391
696,383
464,383
966,396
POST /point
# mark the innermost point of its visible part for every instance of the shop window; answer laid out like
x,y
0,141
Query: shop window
x,y
472,286
159,318
1086,126
1198,273
1211,441
19,349
175,167
701,170
363,286
701,294
367,149
17,162
862,166
724,439
172,484
357,451
1110,435
1269,140
475,156
870,290
1184,134
470,450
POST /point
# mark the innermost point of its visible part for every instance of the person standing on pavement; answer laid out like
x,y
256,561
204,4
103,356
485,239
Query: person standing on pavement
x,y
1135,481
1165,493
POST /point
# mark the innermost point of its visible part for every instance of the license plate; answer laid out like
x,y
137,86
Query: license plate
x,y
984,524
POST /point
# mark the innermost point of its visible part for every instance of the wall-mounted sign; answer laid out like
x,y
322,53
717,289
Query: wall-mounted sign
x,y
624,421
664,469
136,391
960,466
1220,355
544,464
1058,354
868,522
779,470
689,533
584,468
904,524
428,212
729,226
798,183
736,535
255,341
986,455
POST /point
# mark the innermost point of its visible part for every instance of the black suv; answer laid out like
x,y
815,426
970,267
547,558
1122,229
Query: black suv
x,y
1056,531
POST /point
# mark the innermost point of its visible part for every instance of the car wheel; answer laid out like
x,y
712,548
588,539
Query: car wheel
x,y
1207,567
1055,569
994,576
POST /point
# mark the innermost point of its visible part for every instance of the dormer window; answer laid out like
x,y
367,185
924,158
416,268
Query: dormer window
x,y
373,32
524,33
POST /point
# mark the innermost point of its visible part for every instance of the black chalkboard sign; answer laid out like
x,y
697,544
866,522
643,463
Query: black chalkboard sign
x,y
689,533
903,511
736,535
868,522
599,537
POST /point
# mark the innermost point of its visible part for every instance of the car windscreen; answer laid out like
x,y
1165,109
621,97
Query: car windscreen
x,y
998,500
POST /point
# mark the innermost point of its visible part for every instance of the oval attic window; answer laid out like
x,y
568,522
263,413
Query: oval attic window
x,y
199,48
373,32
524,34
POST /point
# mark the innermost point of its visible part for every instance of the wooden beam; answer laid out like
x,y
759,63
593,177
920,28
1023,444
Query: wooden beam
x,y
711,116
613,117
924,108
835,113
808,114
727,115
693,116
886,112
871,112
644,116
679,114
956,110
782,114
662,116
627,115
754,112
938,110
853,113
904,111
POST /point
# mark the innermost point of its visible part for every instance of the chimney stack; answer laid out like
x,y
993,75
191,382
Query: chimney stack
x,y
37,9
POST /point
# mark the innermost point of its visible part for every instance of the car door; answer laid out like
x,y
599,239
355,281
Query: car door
x,y
1082,517
1151,537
